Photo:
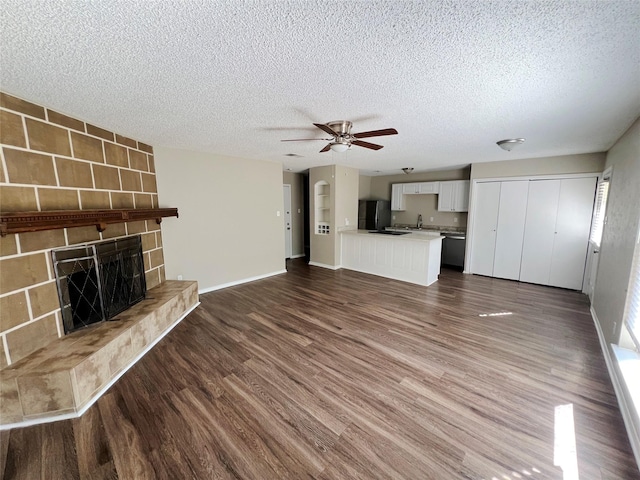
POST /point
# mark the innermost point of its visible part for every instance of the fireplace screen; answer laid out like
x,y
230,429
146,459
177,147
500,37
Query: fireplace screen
x,y
98,281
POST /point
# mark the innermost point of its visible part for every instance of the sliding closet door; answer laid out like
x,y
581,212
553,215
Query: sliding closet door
x,y
510,231
573,222
539,231
483,244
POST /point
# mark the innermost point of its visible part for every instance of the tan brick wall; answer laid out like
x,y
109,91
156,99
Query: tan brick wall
x,y
50,161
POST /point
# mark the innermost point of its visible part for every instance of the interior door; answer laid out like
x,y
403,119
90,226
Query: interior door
x,y
483,242
539,231
573,222
510,230
288,237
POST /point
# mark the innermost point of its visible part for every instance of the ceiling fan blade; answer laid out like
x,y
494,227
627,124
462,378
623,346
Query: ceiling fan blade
x,y
376,133
360,143
326,148
326,128
307,140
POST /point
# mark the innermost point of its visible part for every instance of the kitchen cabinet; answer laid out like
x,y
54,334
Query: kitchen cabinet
x,y
410,258
420,188
397,197
535,231
453,196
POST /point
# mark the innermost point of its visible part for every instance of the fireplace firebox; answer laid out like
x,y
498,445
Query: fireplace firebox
x,y
98,281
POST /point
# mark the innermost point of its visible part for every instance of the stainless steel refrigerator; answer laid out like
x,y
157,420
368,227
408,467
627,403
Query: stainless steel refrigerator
x,y
374,214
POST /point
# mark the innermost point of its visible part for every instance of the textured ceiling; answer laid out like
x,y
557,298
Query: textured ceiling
x,y
235,77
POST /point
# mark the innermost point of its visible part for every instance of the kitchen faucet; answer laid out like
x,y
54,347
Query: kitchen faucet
x,y
419,221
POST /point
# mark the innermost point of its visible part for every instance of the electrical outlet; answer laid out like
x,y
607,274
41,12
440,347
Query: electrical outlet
x,y
431,219
455,219
393,217
278,213
298,210
615,324
179,277
346,222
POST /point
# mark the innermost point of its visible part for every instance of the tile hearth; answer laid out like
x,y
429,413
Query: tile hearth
x,y
65,377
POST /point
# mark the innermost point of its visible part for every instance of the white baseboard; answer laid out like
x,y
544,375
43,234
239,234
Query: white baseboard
x,y
625,410
323,265
297,255
239,282
102,391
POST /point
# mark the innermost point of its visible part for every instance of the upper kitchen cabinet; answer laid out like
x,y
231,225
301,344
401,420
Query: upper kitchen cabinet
x,y
454,196
397,197
420,188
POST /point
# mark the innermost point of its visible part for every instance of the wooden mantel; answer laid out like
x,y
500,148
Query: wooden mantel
x,y
20,222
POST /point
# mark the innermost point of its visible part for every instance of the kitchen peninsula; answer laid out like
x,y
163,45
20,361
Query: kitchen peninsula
x,y
413,257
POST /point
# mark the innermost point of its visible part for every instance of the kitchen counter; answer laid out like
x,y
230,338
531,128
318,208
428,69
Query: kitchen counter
x,y
429,228
413,258
416,236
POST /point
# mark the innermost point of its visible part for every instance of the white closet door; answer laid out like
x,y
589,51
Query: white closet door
x,y
539,231
483,243
510,231
575,208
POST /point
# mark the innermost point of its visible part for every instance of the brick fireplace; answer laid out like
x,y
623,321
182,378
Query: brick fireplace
x,y
50,161
54,162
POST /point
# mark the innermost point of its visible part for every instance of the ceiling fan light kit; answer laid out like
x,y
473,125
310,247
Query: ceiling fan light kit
x,y
510,143
342,139
339,147
407,170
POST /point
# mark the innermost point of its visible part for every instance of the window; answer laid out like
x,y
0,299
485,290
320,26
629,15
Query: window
x,y
600,209
632,308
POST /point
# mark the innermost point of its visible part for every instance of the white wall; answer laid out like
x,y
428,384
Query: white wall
x,y
346,210
563,164
364,188
615,259
620,229
344,185
322,246
228,230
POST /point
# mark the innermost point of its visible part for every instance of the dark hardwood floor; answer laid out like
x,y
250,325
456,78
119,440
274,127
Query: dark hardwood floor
x,y
339,375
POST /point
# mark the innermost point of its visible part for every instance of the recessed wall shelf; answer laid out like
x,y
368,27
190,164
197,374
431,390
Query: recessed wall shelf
x,y
20,222
323,208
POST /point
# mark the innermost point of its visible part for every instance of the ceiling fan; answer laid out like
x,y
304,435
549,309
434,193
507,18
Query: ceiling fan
x,y
342,138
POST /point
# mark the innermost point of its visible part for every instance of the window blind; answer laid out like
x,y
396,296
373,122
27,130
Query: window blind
x,y
600,209
632,309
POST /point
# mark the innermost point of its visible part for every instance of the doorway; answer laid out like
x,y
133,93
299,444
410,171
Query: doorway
x,y
288,237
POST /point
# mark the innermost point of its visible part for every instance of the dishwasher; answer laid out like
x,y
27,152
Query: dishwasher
x,y
453,246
